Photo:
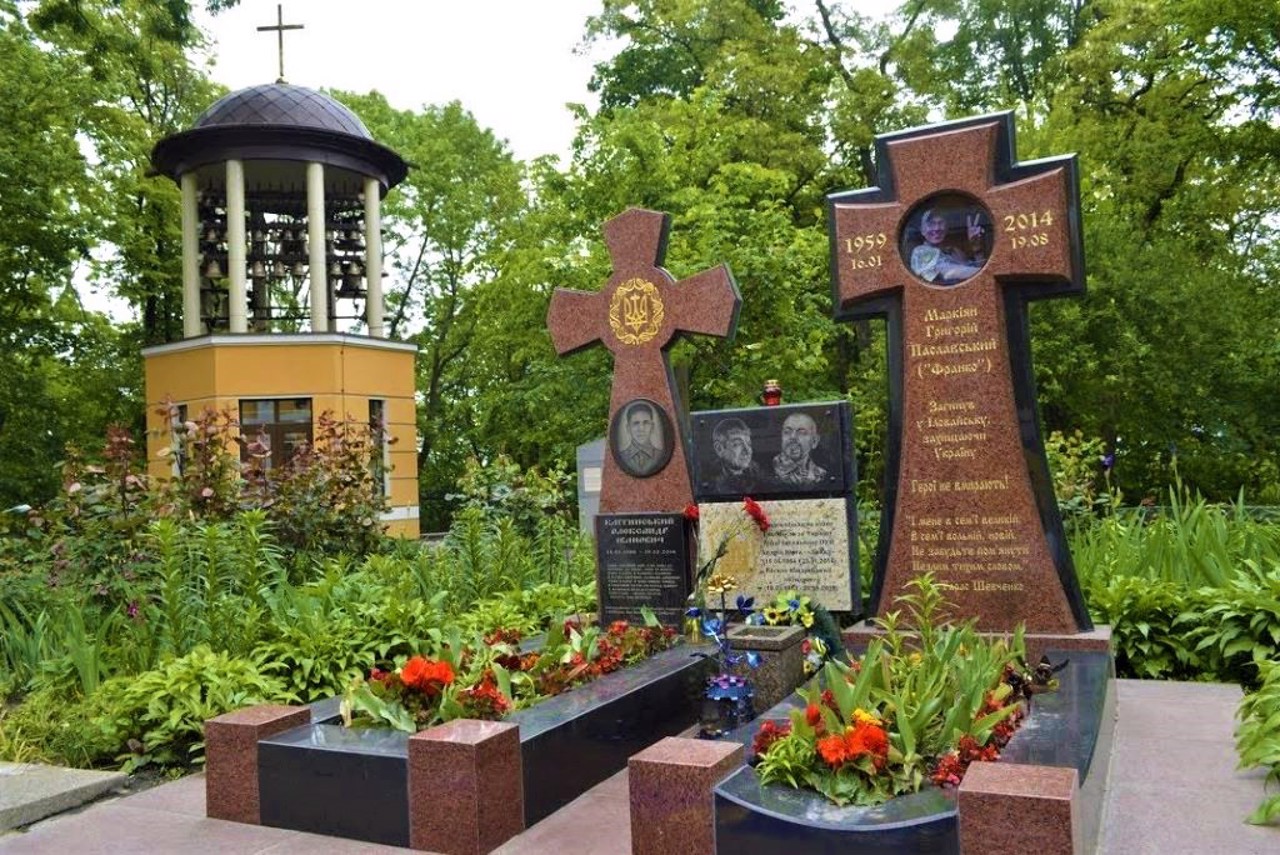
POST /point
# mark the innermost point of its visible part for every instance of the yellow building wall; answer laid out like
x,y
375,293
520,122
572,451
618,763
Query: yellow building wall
x,y
339,373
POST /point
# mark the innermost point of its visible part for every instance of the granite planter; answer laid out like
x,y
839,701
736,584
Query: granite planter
x,y
1071,728
326,779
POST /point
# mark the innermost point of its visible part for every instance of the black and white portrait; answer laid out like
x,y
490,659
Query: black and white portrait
x,y
794,450
641,438
794,464
735,467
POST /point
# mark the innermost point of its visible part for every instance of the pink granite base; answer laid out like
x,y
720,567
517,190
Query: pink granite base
x,y
231,757
1099,638
1009,807
672,809
466,787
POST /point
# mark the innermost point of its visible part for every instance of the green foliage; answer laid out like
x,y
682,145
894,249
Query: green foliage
x,y
1190,541
1080,478
1144,615
480,558
50,727
926,689
1190,589
503,489
1258,736
788,762
326,499
158,716
1239,626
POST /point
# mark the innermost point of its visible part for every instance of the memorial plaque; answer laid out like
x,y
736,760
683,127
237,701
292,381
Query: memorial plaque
x,y
643,560
800,450
949,248
811,547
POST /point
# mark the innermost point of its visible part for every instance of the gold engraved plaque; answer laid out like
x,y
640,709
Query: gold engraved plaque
x,y
636,312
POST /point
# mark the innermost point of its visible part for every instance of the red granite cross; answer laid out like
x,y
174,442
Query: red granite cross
x,y
962,500
639,315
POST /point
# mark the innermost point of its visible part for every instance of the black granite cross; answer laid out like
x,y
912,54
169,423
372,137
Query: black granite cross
x,y
639,315
950,246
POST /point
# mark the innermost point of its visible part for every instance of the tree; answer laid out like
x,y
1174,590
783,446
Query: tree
x,y
145,85
449,226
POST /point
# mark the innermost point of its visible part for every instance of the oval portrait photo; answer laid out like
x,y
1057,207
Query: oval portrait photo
x,y
640,438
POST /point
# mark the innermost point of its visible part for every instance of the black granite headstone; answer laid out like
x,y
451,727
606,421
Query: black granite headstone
x,y
643,560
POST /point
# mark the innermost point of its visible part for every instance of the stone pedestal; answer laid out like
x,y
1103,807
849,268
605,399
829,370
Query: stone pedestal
x,y
781,668
231,757
1010,807
466,790
671,781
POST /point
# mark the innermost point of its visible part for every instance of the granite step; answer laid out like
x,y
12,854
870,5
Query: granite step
x,y
29,792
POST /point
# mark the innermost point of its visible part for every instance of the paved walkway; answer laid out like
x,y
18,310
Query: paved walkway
x,y
1174,787
1174,791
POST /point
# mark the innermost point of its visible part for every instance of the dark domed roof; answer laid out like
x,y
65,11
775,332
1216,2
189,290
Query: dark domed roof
x,y
283,104
277,121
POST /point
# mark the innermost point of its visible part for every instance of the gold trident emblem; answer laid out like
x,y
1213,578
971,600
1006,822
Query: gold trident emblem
x,y
636,311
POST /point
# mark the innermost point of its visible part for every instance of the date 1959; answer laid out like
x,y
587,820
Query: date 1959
x,y
865,243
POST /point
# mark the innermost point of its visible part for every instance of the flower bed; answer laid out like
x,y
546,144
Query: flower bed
x,y
1071,727
352,782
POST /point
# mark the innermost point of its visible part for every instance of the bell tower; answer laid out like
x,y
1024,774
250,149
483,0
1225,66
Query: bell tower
x,y
282,281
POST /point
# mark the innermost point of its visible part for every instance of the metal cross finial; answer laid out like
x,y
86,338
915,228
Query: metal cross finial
x,y
279,28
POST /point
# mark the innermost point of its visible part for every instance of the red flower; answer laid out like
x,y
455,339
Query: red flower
x,y
753,509
829,701
691,513
872,740
484,700
425,675
769,733
813,715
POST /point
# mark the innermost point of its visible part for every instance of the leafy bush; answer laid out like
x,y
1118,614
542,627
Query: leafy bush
x,y
51,727
325,499
157,717
501,489
483,557
1239,625
1149,622
1258,736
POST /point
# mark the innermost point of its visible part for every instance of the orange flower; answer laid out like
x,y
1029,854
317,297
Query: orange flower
x,y
425,675
833,751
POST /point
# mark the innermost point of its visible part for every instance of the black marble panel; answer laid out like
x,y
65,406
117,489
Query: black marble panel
x,y
800,451
574,741
326,779
643,560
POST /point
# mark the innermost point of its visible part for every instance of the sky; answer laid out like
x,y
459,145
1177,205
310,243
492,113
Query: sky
x,y
513,64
